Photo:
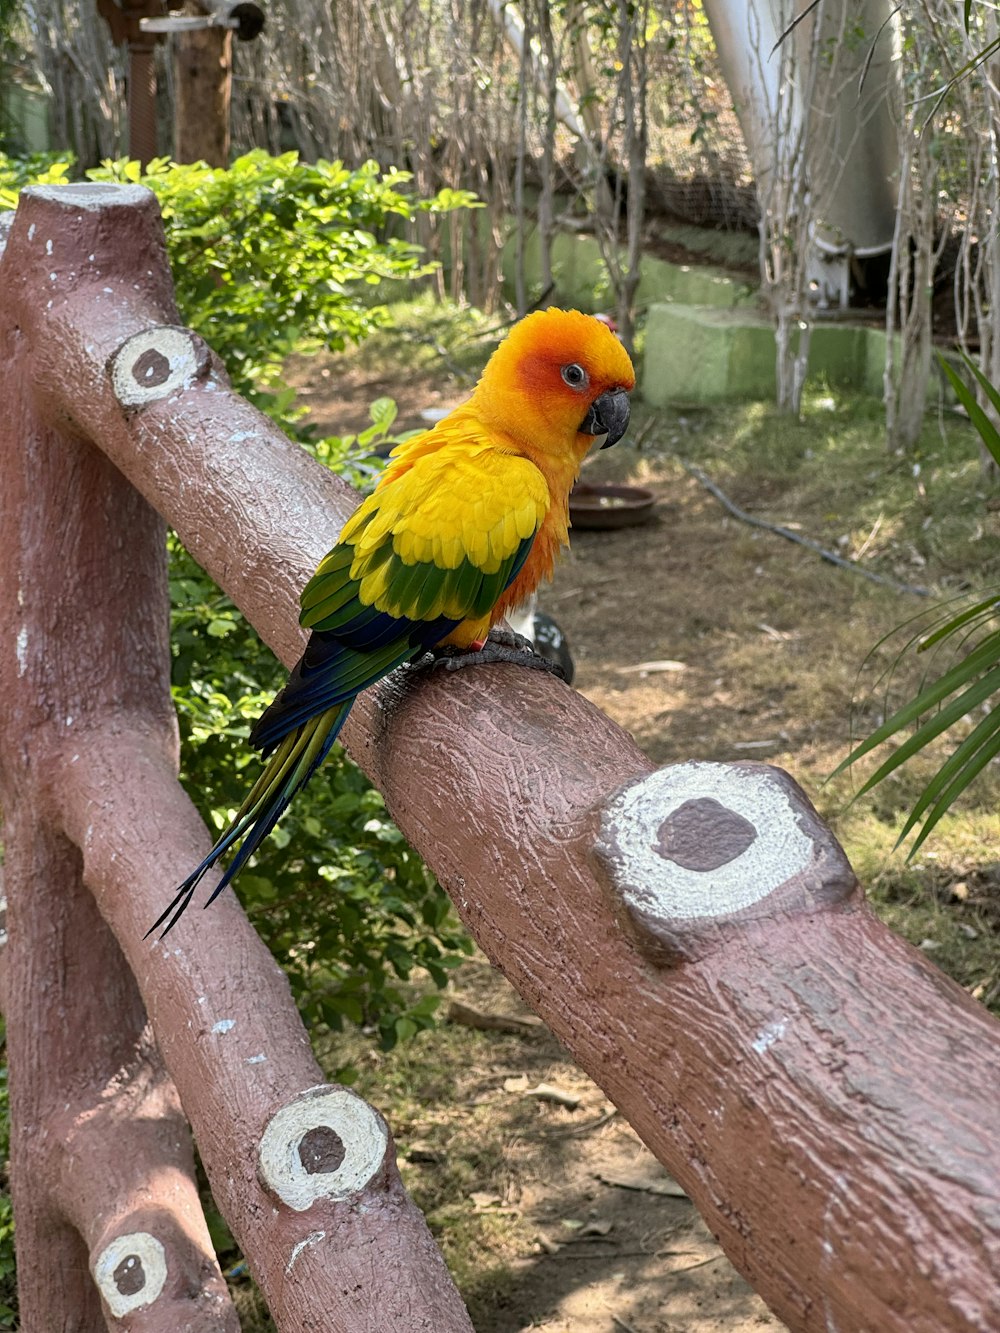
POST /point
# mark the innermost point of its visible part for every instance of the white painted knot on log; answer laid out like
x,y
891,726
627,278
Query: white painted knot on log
x,y
696,843
327,1144
155,363
130,1272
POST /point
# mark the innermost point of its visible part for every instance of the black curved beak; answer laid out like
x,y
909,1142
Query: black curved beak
x,y
608,416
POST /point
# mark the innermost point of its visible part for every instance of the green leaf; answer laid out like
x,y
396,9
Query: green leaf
x,y
989,605
959,676
383,413
940,722
988,433
956,787
990,390
405,1029
953,770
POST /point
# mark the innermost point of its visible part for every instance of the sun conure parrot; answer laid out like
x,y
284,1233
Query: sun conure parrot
x,y
465,520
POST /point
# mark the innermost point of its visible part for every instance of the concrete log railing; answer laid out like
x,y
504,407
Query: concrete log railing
x,y
693,935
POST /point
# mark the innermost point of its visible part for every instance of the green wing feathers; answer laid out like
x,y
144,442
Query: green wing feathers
x,y
444,540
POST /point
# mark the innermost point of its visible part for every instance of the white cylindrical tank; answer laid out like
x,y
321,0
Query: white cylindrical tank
x,y
851,148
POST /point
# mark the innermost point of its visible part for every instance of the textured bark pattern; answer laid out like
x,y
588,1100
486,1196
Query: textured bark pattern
x,y
828,1098
92,803
203,81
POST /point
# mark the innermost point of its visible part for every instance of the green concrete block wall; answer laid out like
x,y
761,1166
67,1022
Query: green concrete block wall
x,y
689,284
705,339
839,352
694,354
698,354
874,369
582,280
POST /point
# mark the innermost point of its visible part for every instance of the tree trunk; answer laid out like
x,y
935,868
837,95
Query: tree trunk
x,y
912,291
203,80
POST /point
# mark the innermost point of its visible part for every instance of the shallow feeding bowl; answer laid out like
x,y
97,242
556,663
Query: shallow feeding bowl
x,y
602,505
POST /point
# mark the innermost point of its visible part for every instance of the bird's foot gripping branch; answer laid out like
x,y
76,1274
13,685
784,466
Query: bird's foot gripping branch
x,y
694,937
501,645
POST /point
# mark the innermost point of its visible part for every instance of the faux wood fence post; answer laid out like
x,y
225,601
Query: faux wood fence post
x,y
694,935
96,827
102,1167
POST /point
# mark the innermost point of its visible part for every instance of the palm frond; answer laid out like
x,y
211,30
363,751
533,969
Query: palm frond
x,y
987,431
981,744
983,610
964,689
957,678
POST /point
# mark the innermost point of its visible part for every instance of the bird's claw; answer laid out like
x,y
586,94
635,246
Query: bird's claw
x,y
502,645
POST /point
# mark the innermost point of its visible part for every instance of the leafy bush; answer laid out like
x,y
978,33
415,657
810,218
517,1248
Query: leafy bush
x,y
273,251
37,169
267,255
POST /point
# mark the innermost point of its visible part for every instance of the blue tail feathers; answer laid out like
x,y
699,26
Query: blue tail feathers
x,y
292,763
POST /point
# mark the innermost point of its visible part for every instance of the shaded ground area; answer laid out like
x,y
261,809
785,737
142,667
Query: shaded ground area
x,y
552,1217
709,640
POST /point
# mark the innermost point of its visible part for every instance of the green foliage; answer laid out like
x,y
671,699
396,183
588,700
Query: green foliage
x,y
37,169
988,433
273,251
951,702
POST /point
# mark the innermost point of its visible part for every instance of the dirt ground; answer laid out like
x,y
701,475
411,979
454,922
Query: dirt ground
x,y
706,639
594,1236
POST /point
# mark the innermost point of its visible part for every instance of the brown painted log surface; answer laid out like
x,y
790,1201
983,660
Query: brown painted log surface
x,y
304,1172
827,1097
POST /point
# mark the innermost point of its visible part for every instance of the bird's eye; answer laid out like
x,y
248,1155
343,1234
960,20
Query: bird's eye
x,y
573,375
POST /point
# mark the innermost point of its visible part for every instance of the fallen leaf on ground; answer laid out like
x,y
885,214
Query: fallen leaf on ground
x,y
482,1199
647,1178
663,664
546,1243
547,1092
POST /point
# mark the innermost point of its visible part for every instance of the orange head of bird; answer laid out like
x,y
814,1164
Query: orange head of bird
x,y
559,375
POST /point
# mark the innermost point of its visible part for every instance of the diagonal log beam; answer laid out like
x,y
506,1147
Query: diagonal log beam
x,y
694,936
